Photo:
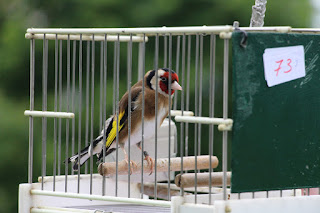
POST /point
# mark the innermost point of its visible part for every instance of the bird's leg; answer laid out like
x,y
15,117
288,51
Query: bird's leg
x,y
126,158
147,158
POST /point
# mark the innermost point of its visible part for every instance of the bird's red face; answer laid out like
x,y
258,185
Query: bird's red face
x,y
164,82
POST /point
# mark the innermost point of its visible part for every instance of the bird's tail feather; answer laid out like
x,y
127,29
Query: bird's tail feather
x,y
86,153
84,156
83,159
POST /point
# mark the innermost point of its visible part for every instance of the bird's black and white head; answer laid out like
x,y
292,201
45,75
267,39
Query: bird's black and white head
x,y
162,79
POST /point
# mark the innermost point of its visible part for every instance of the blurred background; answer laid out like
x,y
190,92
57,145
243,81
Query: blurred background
x,y
18,15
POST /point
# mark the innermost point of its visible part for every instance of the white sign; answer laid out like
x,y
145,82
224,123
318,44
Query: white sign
x,y
283,64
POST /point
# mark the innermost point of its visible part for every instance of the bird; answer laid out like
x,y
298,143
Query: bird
x,y
152,80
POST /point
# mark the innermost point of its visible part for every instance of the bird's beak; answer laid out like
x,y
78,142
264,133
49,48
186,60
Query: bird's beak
x,y
176,86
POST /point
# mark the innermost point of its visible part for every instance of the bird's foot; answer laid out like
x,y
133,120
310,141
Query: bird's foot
x,y
150,161
132,165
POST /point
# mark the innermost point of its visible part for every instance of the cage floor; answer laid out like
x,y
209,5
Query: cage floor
x,y
123,208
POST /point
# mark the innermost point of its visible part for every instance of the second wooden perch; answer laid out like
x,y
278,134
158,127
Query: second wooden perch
x,y
203,162
188,179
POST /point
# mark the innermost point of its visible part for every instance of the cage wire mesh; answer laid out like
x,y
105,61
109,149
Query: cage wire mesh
x,y
84,75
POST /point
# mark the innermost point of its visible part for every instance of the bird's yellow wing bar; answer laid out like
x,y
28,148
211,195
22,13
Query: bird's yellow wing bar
x,y
113,132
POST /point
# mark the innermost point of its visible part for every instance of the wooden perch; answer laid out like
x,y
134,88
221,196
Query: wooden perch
x,y
188,179
109,168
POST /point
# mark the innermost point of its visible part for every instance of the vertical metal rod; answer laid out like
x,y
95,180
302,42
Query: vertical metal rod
x,y
102,104
187,89
117,110
32,69
182,104
143,48
68,108
92,108
60,107
80,109
175,101
225,116
55,109
211,106
104,108
200,92
129,72
210,115
101,86
114,78
44,107
73,98
87,100
196,114
156,64
170,103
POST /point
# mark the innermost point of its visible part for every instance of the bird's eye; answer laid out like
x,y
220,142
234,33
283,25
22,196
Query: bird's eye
x,y
163,79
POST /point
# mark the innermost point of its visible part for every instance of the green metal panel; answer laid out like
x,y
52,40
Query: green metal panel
x,y
276,132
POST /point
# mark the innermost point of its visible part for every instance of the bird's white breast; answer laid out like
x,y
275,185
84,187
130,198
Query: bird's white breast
x,y
149,128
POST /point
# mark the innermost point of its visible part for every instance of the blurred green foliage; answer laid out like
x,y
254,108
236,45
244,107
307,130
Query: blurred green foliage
x,y
18,15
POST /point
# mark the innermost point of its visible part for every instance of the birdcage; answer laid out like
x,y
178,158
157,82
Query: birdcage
x,y
77,77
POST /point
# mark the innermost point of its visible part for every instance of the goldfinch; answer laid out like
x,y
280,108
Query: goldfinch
x,y
152,79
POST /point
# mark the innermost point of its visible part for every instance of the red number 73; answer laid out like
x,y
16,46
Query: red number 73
x,y
279,68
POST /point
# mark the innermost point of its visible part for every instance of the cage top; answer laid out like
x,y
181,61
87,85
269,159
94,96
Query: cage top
x,y
142,34
125,31
152,31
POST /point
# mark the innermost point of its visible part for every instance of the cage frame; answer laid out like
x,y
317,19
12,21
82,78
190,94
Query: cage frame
x,y
141,35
